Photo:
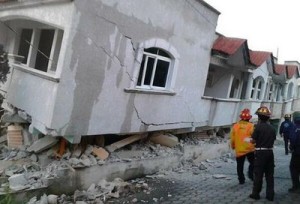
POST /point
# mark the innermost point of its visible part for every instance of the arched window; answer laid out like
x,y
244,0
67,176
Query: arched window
x,y
257,88
271,90
156,66
234,92
290,94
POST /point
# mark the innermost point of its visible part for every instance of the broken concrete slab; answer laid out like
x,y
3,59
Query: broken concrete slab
x,y
100,153
42,144
3,139
164,139
12,118
124,142
17,182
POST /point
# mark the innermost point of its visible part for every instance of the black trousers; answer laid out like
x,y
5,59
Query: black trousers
x,y
286,143
240,166
295,170
264,165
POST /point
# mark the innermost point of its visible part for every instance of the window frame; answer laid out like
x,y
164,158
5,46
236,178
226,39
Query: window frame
x,y
54,53
172,72
257,88
156,58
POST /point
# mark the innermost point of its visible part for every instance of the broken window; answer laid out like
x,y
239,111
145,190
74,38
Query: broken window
x,y
40,48
154,69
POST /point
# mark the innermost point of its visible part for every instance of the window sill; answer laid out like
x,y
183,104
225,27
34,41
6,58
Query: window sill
x,y
149,91
35,72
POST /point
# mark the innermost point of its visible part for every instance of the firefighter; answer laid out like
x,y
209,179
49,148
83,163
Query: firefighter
x,y
263,137
295,149
284,131
240,141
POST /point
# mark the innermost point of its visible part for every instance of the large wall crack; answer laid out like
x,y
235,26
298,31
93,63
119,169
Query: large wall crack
x,y
160,124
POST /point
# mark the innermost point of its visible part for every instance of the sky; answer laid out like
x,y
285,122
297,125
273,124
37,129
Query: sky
x,y
267,25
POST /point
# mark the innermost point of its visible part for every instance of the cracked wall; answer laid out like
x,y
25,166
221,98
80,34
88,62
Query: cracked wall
x,y
99,65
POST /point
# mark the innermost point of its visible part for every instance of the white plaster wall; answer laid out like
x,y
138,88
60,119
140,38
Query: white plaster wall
x,y
100,64
29,91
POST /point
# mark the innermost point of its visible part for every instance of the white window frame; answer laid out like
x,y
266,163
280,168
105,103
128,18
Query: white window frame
x,y
156,57
172,72
256,92
32,53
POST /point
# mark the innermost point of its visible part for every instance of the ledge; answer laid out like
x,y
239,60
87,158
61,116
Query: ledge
x,y
149,91
35,72
15,4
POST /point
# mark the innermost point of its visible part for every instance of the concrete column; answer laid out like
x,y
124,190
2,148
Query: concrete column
x,y
249,85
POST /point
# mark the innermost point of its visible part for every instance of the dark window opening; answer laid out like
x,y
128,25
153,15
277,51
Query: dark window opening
x,y
161,73
25,42
44,49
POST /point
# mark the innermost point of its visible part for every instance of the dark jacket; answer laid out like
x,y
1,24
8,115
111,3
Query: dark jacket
x,y
264,135
286,127
295,140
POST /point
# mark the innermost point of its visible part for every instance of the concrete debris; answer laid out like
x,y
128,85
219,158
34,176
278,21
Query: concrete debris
x,y
100,152
40,167
124,142
3,139
18,182
96,193
42,144
164,139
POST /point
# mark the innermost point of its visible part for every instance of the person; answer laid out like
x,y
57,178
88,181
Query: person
x,y
284,131
295,149
240,135
263,137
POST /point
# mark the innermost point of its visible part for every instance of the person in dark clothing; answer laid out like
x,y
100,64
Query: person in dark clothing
x,y
285,130
295,159
263,137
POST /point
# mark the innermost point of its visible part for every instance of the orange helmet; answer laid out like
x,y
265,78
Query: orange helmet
x,y
245,114
263,110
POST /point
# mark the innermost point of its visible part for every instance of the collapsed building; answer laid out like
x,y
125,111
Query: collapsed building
x,y
99,68
82,69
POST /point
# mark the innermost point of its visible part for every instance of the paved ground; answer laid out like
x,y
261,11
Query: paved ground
x,y
204,186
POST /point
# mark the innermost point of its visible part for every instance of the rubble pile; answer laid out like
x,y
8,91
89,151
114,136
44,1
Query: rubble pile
x,y
31,167
96,193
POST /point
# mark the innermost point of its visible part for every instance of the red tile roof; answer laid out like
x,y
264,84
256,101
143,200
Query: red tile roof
x,y
227,45
291,70
279,68
259,57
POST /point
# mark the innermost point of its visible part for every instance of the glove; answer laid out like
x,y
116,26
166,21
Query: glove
x,y
248,139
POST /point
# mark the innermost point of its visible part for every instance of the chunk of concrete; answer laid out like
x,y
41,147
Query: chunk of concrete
x,y
164,139
100,153
42,144
3,139
17,182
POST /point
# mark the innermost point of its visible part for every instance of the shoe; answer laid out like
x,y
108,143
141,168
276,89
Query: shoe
x,y
255,197
242,182
270,199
